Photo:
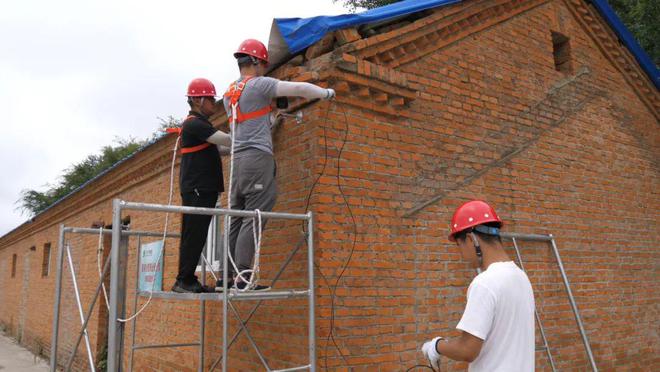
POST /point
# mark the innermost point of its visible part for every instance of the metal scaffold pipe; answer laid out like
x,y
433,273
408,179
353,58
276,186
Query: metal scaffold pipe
x,y
211,211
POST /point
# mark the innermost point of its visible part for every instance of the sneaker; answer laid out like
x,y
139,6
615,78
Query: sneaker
x,y
258,288
219,287
194,287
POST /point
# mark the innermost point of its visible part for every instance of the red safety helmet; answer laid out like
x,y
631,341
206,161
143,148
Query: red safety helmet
x,y
471,214
201,87
254,48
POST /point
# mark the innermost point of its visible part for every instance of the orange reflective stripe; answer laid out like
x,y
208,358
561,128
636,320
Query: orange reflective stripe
x,y
236,89
179,130
188,150
241,117
234,93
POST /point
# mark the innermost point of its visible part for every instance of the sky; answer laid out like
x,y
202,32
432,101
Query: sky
x,y
75,75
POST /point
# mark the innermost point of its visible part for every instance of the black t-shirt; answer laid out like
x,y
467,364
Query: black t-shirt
x,y
201,170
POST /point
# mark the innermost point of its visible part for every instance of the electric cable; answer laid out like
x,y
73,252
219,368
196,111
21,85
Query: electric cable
x,y
333,289
309,196
423,366
330,338
355,232
325,163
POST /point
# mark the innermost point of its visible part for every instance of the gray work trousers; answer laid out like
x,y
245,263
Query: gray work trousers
x,y
253,187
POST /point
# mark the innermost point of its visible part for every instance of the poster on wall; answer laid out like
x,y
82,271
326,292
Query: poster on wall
x,y
151,268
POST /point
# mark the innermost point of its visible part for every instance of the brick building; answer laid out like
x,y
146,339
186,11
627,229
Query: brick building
x,y
533,105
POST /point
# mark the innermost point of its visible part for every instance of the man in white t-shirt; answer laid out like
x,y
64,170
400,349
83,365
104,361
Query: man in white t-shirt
x,y
497,327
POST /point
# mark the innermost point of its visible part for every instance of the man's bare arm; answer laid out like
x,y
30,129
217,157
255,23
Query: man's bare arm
x,y
464,348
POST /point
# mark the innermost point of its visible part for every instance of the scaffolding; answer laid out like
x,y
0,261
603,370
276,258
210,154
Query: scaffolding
x,y
64,248
550,239
117,265
118,262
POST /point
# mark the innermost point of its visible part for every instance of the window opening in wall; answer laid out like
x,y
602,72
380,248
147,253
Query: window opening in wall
x,y
14,258
561,50
45,263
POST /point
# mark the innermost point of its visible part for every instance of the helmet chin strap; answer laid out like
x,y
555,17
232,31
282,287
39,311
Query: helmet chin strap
x,y
477,248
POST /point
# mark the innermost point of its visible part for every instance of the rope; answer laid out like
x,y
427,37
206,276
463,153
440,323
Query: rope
x,y
162,250
252,279
256,234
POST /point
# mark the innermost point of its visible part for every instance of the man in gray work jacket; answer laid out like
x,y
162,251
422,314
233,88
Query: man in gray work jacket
x,y
248,105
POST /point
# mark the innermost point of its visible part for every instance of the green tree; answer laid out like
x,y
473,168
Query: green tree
x,y
168,122
33,202
641,17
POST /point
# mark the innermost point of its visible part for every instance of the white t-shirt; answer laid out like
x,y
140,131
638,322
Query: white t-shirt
x,y
500,311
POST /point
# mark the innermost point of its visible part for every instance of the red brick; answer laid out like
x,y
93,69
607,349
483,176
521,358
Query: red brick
x,y
588,175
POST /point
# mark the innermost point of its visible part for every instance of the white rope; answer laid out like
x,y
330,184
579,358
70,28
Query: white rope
x,y
251,281
232,128
162,250
256,233
99,250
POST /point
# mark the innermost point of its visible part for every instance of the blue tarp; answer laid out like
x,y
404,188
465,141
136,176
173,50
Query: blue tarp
x,y
296,34
300,33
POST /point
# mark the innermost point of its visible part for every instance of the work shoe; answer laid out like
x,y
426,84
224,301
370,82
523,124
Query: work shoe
x,y
220,288
194,287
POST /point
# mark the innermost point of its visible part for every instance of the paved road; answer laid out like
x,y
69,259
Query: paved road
x,y
15,358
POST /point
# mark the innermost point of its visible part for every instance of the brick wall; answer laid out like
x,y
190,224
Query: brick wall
x,y
484,115
554,152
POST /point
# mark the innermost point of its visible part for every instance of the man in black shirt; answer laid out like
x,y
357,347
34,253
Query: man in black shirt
x,y
200,180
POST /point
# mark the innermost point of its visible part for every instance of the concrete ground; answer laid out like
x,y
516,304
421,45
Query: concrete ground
x,y
15,358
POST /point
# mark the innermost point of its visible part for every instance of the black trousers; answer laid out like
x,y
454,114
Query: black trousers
x,y
194,230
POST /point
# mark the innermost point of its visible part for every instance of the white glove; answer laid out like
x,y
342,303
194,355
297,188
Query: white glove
x,y
431,353
330,93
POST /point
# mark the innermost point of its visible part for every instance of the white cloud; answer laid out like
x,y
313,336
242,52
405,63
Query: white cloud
x,y
76,74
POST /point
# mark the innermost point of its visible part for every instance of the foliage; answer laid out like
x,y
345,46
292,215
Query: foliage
x,y
642,18
168,122
102,360
33,202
